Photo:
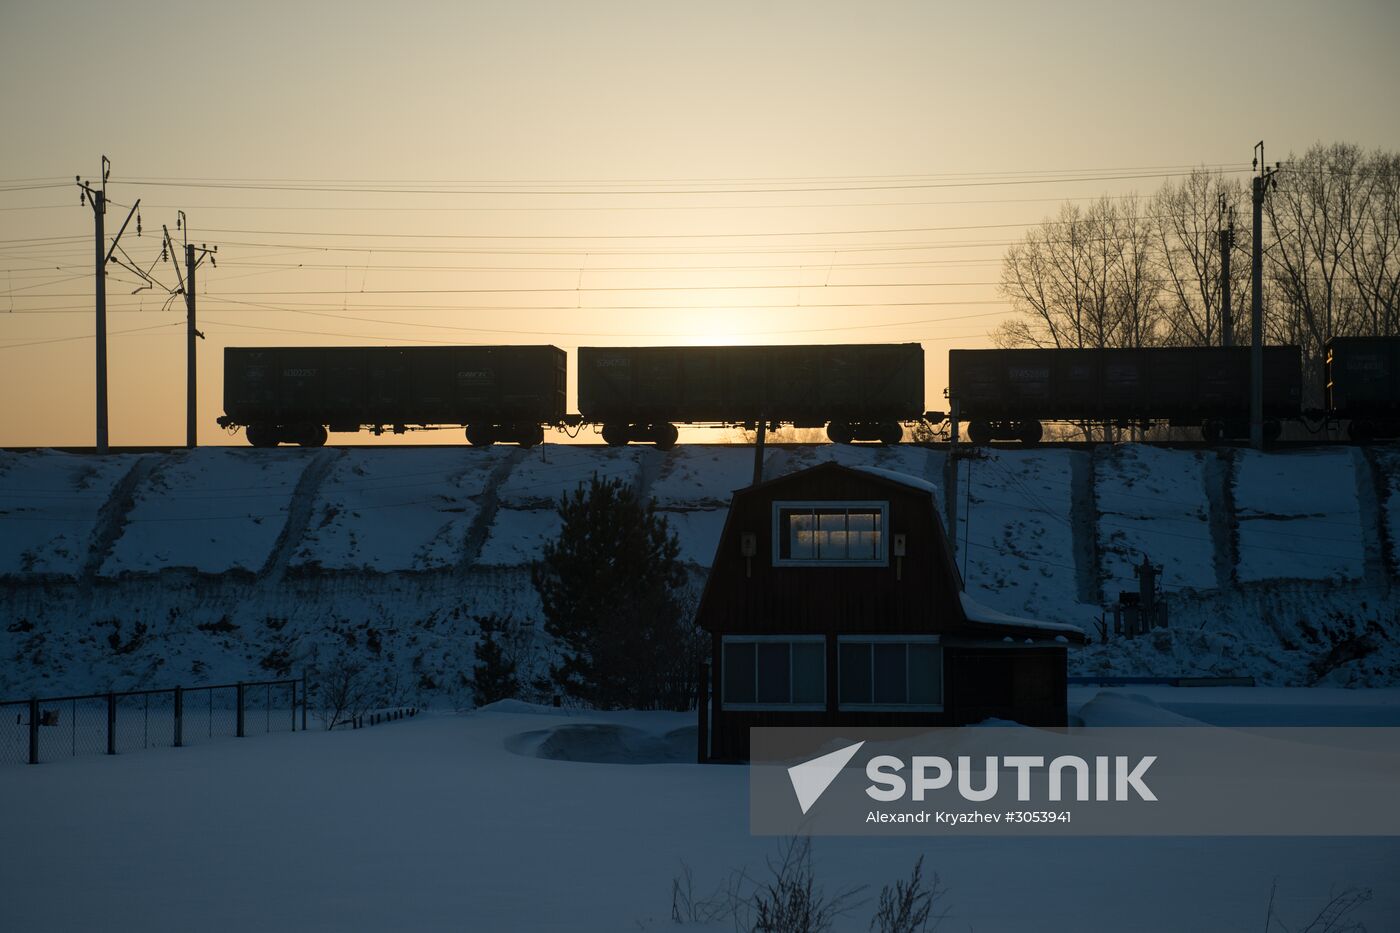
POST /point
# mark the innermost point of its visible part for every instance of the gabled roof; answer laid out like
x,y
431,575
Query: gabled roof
x,y
883,476
990,621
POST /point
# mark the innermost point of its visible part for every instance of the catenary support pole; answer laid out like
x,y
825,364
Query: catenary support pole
x,y
1256,324
1227,324
99,210
191,394
758,451
1260,187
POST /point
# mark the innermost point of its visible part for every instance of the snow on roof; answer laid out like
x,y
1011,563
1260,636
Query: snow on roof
x,y
985,615
904,479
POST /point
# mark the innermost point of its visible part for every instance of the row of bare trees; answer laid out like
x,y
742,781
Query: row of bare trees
x,y
1135,271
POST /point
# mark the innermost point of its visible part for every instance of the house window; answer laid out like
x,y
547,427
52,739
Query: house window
x,y
848,534
774,672
894,672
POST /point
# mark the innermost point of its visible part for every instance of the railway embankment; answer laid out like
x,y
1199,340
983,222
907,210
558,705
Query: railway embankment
x,y
160,568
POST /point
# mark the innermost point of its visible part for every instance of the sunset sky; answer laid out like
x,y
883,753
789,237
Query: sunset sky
x,y
604,172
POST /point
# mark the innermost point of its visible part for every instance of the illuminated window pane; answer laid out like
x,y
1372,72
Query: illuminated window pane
x,y
831,534
862,535
801,539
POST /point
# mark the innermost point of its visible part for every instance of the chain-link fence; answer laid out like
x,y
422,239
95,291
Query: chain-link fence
x,y
50,728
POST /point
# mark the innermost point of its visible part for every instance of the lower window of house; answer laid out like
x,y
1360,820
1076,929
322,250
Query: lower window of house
x,y
783,674
893,673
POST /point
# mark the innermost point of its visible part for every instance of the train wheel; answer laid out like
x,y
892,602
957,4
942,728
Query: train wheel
x,y
1030,433
979,433
1273,429
1212,432
1362,432
313,435
891,434
531,435
616,435
262,435
480,435
665,436
839,432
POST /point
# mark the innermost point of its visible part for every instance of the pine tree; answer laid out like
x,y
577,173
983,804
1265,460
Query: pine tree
x,y
493,676
610,590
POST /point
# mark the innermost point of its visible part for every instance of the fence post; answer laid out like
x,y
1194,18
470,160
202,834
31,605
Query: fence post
x,y
179,716
294,706
34,730
111,723
240,709
303,703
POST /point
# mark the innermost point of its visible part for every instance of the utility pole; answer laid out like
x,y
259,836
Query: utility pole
x,y
1256,360
193,257
97,197
950,478
1227,243
758,450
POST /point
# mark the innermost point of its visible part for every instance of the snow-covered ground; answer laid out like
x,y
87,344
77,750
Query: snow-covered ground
x,y
1153,502
1298,516
455,822
50,504
375,511
1015,534
242,562
209,510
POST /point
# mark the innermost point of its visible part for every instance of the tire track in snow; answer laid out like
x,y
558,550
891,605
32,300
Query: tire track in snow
x,y
1219,476
1370,504
112,517
486,514
299,512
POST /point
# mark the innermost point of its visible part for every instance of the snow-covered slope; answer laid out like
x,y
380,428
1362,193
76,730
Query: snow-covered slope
x,y
50,504
1298,516
180,567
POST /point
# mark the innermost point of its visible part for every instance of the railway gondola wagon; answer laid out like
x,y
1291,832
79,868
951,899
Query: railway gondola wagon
x,y
1363,385
294,394
857,391
1007,394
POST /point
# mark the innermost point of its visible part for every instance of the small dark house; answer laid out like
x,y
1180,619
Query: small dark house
x,y
834,600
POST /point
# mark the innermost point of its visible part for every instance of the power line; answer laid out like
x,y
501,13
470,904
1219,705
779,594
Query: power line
x,y
115,333
550,192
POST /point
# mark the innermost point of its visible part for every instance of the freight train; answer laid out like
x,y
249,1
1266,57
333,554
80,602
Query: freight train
x,y
1007,394
858,392
511,393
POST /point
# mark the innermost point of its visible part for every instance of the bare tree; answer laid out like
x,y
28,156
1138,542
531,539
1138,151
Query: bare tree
x,y
1187,219
791,901
1374,256
342,691
1086,278
908,906
1317,214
